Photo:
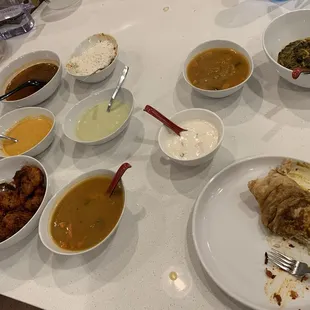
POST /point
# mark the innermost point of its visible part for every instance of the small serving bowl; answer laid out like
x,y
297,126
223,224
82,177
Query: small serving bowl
x,y
23,62
8,167
218,44
76,112
8,120
186,115
275,39
46,218
86,44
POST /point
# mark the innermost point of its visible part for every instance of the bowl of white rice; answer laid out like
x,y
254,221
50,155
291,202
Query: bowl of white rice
x,y
94,59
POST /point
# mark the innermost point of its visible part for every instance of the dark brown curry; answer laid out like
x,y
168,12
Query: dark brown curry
x,y
41,72
86,215
217,69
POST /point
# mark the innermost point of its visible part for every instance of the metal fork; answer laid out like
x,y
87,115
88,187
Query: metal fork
x,y
288,264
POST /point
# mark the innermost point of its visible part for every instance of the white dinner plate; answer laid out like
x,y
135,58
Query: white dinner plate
x,y
230,239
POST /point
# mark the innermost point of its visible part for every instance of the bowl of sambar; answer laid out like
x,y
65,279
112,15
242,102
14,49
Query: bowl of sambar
x,y
80,217
218,68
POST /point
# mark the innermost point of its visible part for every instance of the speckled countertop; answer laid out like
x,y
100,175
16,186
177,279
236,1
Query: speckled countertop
x,y
154,238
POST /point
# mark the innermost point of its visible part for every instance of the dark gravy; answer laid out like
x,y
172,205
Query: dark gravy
x,y
42,72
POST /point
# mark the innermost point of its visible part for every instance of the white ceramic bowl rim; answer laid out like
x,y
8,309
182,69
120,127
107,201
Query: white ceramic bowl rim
x,y
219,142
33,108
76,139
61,195
33,63
98,71
267,28
46,192
248,58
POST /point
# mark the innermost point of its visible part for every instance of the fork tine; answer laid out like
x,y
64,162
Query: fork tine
x,y
281,254
277,263
280,260
290,262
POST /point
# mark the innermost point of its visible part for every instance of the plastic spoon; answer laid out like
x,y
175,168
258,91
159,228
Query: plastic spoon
x,y
167,122
117,177
298,71
26,84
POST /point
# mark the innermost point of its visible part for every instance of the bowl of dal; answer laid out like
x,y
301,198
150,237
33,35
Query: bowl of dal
x,y
89,123
218,68
81,217
33,127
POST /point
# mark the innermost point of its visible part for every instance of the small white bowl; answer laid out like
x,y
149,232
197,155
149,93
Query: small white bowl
x,y
186,115
76,112
86,44
23,62
45,220
8,120
8,167
275,38
218,44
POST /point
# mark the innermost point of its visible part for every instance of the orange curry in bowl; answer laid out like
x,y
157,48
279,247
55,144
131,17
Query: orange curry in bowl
x,y
86,214
218,69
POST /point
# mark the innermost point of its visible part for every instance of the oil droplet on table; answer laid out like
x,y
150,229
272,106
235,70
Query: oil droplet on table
x,y
173,275
176,282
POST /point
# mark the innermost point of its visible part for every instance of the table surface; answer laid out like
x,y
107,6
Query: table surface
x,y
269,116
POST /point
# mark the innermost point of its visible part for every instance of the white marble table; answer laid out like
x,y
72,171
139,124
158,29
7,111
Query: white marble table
x,y
269,116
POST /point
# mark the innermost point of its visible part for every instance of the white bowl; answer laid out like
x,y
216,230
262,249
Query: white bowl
x,y
8,120
280,32
45,220
217,44
23,62
86,44
76,112
8,167
186,115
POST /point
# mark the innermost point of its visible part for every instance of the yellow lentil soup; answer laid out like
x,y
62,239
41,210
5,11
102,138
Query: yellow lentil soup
x,y
86,215
29,132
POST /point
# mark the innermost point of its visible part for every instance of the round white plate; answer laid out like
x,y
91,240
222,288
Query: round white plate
x,y
229,237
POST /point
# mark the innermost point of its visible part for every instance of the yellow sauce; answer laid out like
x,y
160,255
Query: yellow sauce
x,y
29,132
96,123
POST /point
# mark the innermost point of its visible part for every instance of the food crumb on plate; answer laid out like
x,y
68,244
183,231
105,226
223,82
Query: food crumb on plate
x,y
304,278
266,258
269,274
278,298
293,294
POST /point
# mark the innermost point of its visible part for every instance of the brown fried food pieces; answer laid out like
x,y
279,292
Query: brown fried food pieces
x,y
16,220
17,206
28,179
33,203
11,200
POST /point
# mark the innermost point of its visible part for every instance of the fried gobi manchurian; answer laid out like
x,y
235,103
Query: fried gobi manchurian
x,y
284,203
19,202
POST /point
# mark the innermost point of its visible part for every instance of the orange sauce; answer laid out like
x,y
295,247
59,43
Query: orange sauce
x,y
29,132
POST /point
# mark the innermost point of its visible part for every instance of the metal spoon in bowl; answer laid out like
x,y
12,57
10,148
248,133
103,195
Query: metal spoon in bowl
x,y
118,87
8,138
35,83
117,177
167,122
298,71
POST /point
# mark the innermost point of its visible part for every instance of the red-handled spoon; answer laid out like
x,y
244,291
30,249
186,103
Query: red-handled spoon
x,y
167,122
298,71
117,177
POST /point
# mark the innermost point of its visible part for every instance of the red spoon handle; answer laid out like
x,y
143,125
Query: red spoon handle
x,y
298,71
117,177
167,122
